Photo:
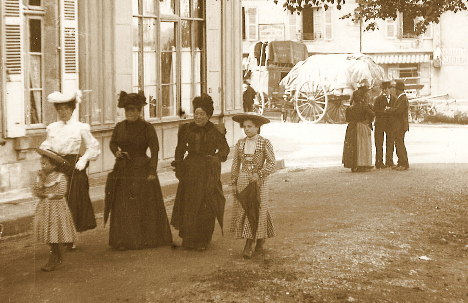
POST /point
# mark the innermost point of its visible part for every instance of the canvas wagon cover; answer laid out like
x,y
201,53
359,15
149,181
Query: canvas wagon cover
x,y
334,71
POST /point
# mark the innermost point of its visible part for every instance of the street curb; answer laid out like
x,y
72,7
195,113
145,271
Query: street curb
x,y
24,224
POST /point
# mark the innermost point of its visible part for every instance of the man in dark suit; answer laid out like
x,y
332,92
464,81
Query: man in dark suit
x,y
399,116
248,97
382,127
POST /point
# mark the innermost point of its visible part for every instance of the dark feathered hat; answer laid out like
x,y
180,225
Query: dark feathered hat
x,y
204,102
135,99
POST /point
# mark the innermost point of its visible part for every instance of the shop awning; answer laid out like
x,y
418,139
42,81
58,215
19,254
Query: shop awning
x,y
405,58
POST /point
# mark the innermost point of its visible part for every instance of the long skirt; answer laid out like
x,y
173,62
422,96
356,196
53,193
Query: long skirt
x,y
193,214
138,217
357,149
53,222
78,198
239,223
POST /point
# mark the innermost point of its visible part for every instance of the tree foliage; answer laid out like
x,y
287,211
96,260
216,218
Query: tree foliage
x,y
369,11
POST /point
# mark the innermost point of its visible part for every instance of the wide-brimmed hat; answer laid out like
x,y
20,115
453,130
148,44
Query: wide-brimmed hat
x,y
52,155
364,84
260,120
385,84
58,97
400,85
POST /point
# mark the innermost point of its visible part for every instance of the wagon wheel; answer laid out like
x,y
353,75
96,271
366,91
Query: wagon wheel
x,y
336,110
259,104
311,102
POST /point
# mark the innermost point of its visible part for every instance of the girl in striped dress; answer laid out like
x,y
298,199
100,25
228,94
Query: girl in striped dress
x,y
253,161
53,221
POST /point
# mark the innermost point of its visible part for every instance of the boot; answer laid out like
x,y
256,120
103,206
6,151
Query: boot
x,y
259,246
248,251
55,258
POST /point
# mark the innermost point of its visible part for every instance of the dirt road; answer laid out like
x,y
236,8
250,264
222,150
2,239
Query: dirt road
x,y
381,236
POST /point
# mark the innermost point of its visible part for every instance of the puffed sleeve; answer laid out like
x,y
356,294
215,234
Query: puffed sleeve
x,y
47,144
61,187
92,145
113,145
153,144
38,187
270,161
181,143
223,147
236,162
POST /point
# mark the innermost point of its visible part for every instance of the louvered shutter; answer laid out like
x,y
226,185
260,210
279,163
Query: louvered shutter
x,y
390,27
14,85
252,29
213,52
69,45
292,26
329,24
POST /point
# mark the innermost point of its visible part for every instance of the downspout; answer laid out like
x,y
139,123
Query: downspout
x,y
221,88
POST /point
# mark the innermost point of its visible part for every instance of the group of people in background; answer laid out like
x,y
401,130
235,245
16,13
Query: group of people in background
x,y
133,196
390,111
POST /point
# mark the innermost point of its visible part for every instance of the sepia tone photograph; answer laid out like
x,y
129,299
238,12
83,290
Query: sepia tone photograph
x,y
233,151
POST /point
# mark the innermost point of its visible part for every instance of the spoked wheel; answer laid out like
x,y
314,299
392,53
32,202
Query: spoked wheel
x,y
336,109
311,102
259,104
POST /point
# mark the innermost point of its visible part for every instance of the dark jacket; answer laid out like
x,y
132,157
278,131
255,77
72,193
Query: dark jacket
x,y
249,96
382,118
399,114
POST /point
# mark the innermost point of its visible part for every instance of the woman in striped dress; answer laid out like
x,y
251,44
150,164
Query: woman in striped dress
x,y
253,161
53,221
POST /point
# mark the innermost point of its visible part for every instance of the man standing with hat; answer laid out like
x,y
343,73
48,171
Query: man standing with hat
x,y
383,127
399,116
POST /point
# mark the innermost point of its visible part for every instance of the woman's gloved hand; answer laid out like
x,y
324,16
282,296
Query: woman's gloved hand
x,y
81,164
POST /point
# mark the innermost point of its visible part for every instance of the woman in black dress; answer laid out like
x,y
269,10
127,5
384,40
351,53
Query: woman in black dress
x,y
357,149
201,148
133,192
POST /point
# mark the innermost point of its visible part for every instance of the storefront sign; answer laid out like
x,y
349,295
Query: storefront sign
x,y
271,32
454,56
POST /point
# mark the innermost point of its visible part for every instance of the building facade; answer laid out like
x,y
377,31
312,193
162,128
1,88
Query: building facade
x,y
435,63
173,50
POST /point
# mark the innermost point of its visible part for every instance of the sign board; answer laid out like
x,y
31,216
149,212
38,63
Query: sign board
x,y
454,56
271,32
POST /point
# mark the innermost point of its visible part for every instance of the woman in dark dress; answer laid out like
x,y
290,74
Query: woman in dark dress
x,y
201,148
133,193
357,150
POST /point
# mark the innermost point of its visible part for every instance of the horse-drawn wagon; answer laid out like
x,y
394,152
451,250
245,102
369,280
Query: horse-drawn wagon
x,y
268,63
319,88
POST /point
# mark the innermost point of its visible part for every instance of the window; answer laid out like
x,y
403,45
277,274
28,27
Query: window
x,y
408,26
34,75
249,23
408,72
168,54
34,65
312,23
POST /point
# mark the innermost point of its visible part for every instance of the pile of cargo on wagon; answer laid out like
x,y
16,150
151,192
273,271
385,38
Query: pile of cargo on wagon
x,y
269,62
319,88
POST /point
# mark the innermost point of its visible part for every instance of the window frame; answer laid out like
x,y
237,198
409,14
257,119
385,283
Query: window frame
x,y
37,13
139,81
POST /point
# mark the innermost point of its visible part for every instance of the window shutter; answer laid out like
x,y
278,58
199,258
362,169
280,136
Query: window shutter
x,y
252,32
213,52
428,32
317,19
69,45
292,27
329,24
390,26
14,101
